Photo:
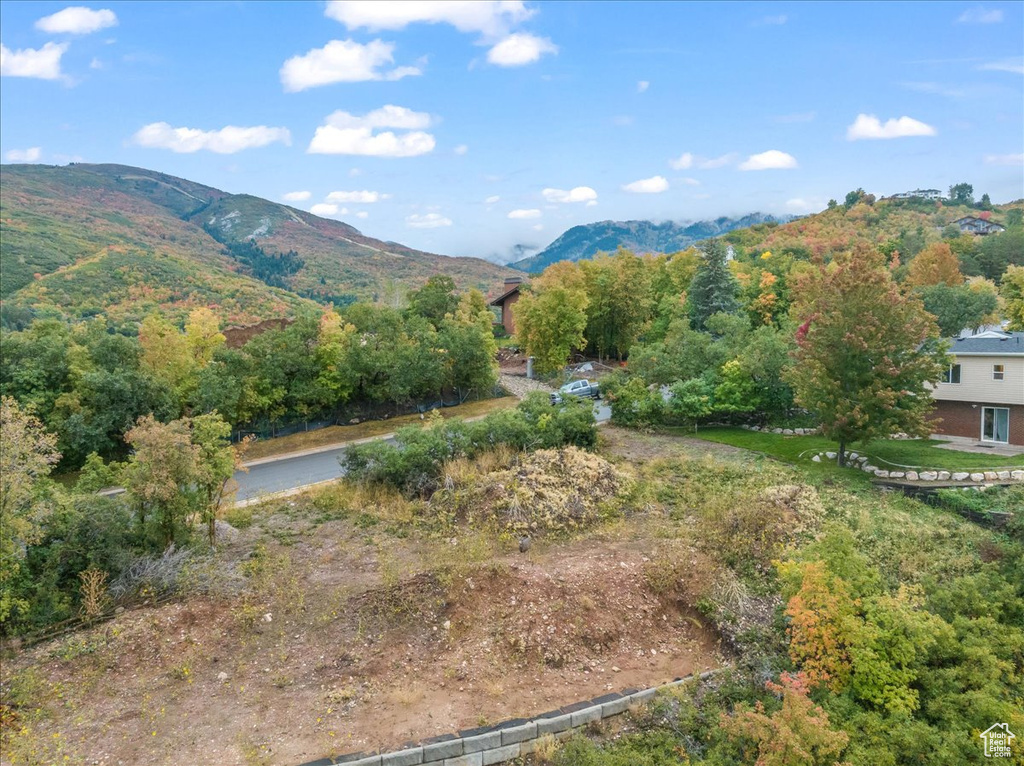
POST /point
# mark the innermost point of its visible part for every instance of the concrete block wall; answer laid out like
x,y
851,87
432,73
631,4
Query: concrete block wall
x,y
510,739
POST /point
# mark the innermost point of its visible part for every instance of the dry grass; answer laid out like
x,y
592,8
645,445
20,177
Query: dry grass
x,y
339,434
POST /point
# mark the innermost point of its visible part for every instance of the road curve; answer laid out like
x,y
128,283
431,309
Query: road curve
x,y
269,476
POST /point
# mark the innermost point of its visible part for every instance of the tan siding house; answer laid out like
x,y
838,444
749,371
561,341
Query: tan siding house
x,y
981,395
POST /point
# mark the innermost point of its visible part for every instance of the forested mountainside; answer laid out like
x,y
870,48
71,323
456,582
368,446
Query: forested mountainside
x,y
83,240
586,241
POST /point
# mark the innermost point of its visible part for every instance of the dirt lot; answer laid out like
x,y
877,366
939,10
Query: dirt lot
x,y
358,631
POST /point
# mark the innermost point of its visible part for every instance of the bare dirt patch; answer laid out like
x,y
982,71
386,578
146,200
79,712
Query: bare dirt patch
x,y
348,642
639,447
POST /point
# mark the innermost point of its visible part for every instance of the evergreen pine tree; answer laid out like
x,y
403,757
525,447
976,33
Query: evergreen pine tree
x,y
713,288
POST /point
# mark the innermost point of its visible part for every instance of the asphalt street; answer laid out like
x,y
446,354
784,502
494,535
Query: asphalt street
x,y
301,470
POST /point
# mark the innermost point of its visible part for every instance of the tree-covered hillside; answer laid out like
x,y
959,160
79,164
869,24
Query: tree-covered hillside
x,y
225,249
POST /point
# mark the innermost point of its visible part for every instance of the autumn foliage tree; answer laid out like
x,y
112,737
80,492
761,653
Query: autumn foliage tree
x,y
798,734
550,324
935,265
865,352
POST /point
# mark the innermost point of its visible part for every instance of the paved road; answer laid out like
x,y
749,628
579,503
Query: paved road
x,y
301,470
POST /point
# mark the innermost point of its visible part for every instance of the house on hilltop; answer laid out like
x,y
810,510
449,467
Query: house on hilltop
x,y
971,225
919,194
981,394
506,301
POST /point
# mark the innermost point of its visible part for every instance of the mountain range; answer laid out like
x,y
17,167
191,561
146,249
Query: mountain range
x,y
586,241
81,240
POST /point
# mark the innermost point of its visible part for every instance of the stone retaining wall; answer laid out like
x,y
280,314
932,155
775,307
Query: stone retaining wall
x,y
862,462
508,740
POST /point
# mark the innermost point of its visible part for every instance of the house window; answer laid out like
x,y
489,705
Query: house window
x,y
997,372
995,424
951,374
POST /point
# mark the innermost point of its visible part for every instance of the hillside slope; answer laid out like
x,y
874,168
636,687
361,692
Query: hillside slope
x,y
186,243
586,241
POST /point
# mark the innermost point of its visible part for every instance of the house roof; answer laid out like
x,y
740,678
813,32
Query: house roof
x,y
989,344
505,295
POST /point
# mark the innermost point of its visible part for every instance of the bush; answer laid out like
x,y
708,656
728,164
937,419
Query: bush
x,y
415,464
636,406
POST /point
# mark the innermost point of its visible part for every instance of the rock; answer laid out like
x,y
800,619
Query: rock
x,y
354,422
991,476
881,473
524,543
1003,475
787,431
868,468
929,475
977,477
222,676
913,476
1017,475
268,617
896,474
944,475
831,455
816,459
776,430
853,456
960,476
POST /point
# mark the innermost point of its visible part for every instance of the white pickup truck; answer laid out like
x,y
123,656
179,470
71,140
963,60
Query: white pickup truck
x,y
579,389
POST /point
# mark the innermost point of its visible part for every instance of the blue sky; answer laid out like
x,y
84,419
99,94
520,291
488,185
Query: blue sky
x,y
468,128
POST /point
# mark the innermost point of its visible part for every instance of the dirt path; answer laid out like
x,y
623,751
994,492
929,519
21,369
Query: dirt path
x,y
520,386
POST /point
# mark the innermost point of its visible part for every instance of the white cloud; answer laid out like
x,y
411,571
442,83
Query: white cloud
x,y
296,196
491,18
523,214
653,185
345,133
687,160
704,163
362,214
689,181
867,126
592,203
359,197
771,21
1012,65
538,227
43,63
95,64
427,221
326,208
642,86
24,155
623,120
77,20
492,199
227,140
772,159
579,194
980,15
342,61
354,172
800,205
519,49
682,162
461,149
993,159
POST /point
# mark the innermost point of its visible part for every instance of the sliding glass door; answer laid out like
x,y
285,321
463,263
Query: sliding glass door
x,y
995,424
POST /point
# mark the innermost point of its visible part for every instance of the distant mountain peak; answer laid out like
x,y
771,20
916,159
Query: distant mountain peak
x,y
587,240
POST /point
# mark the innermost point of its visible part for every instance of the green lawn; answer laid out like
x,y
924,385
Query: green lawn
x,y
920,453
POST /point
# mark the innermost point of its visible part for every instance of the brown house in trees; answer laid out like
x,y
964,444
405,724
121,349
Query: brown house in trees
x,y
506,300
